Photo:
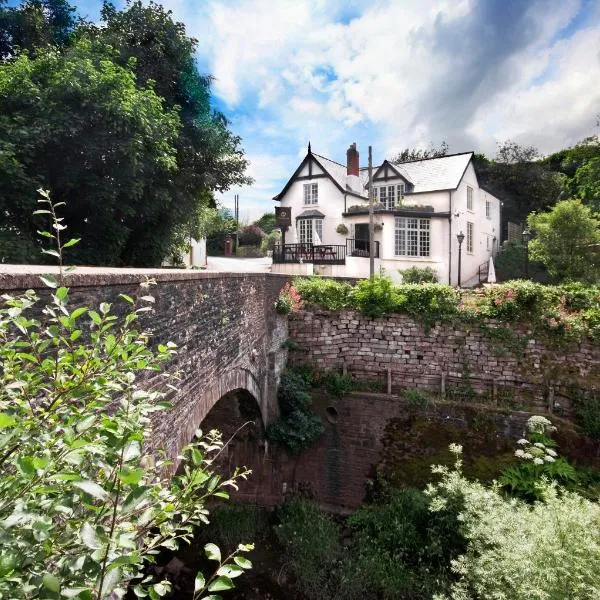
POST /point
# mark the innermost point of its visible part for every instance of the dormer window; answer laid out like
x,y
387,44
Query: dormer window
x,y
311,193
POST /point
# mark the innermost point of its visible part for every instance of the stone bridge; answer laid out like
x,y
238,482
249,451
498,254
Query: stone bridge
x,y
228,335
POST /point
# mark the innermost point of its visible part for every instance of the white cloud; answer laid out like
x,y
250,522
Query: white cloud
x,y
398,74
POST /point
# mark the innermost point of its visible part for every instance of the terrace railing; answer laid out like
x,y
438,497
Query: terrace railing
x,y
356,247
322,254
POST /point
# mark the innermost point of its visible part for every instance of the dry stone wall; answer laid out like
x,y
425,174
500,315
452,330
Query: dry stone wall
x,y
465,362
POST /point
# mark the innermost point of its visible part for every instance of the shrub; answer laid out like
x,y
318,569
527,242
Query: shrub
x,y
268,242
587,415
82,508
537,460
312,546
518,551
419,275
249,252
325,292
337,384
297,427
428,302
374,297
289,300
400,549
250,235
415,397
510,264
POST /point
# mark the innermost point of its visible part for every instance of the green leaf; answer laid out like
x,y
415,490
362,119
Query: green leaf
x,y
45,234
135,498
51,252
61,293
7,420
199,582
41,212
127,298
221,584
231,571
72,242
89,537
96,318
49,281
131,476
51,582
93,489
243,562
212,552
78,312
75,592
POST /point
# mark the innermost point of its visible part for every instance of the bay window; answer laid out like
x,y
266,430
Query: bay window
x,y
412,237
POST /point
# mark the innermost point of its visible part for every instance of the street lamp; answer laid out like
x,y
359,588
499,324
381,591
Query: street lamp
x,y
526,237
461,238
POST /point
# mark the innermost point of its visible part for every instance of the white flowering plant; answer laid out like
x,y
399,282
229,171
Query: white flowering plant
x,y
518,550
538,462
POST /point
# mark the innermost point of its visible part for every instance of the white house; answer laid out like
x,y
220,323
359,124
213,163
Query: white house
x,y
420,208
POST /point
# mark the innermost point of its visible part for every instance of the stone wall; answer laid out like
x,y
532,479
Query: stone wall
x,y
464,362
224,325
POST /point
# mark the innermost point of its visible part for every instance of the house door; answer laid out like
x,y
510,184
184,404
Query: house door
x,y
361,236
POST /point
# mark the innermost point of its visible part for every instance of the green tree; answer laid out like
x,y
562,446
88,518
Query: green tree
x,y
587,181
34,24
566,241
518,177
75,122
409,154
266,222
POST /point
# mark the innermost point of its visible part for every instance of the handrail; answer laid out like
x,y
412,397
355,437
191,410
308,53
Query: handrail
x,y
310,253
357,247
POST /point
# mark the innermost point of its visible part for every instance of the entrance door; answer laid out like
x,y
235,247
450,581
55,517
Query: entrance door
x,y
361,237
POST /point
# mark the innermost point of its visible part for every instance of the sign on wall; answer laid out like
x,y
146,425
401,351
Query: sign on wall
x,y
283,216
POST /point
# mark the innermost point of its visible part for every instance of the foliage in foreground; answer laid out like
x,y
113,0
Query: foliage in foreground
x,y
570,311
549,550
84,503
419,275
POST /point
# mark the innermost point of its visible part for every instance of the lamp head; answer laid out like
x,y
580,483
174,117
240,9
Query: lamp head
x,y
460,237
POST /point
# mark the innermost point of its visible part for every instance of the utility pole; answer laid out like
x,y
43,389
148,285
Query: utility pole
x,y
236,200
371,218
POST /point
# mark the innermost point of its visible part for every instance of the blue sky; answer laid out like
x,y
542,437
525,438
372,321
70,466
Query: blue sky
x,y
393,74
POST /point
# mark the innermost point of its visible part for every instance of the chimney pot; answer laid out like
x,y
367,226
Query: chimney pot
x,y
352,162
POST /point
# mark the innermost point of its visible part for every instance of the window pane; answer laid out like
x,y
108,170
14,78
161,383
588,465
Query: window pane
x,y
412,237
383,195
391,197
319,228
306,193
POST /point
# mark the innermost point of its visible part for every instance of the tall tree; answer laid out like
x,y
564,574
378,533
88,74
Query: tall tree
x,y
75,122
34,24
567,241
209,156
519,179
409,154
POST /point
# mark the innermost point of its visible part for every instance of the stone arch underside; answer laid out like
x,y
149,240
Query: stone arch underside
x,y
232,380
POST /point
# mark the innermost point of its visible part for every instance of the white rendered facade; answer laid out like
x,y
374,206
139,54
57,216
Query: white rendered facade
x,y
421,207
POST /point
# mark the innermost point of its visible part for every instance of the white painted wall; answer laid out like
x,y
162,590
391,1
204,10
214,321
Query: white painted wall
x,y
442,232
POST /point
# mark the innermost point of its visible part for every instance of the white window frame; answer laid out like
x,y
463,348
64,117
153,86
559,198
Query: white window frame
x,y
306,229
488,209
469,198
375,194
383,195
400,189
470,236
412,237
311,193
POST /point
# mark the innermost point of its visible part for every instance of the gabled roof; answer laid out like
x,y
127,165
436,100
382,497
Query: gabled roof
x,y
427,175
434,174
335,171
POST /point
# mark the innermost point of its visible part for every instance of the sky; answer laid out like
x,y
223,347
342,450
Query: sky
x,y
392,74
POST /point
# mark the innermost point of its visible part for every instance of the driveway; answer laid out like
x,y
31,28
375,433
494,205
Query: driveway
x,y
226,264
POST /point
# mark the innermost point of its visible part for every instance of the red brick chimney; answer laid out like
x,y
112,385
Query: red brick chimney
x,y
352,163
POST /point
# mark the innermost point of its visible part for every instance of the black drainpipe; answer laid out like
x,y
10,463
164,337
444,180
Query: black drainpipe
x,y
450,238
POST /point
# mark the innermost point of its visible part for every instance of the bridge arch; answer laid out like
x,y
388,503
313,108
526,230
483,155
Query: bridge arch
x,y
234,380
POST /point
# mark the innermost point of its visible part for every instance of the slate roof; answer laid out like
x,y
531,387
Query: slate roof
x,y
339,173
433,174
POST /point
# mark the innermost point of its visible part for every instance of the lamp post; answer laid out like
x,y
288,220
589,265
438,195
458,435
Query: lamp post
x,y
526,237
461,238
